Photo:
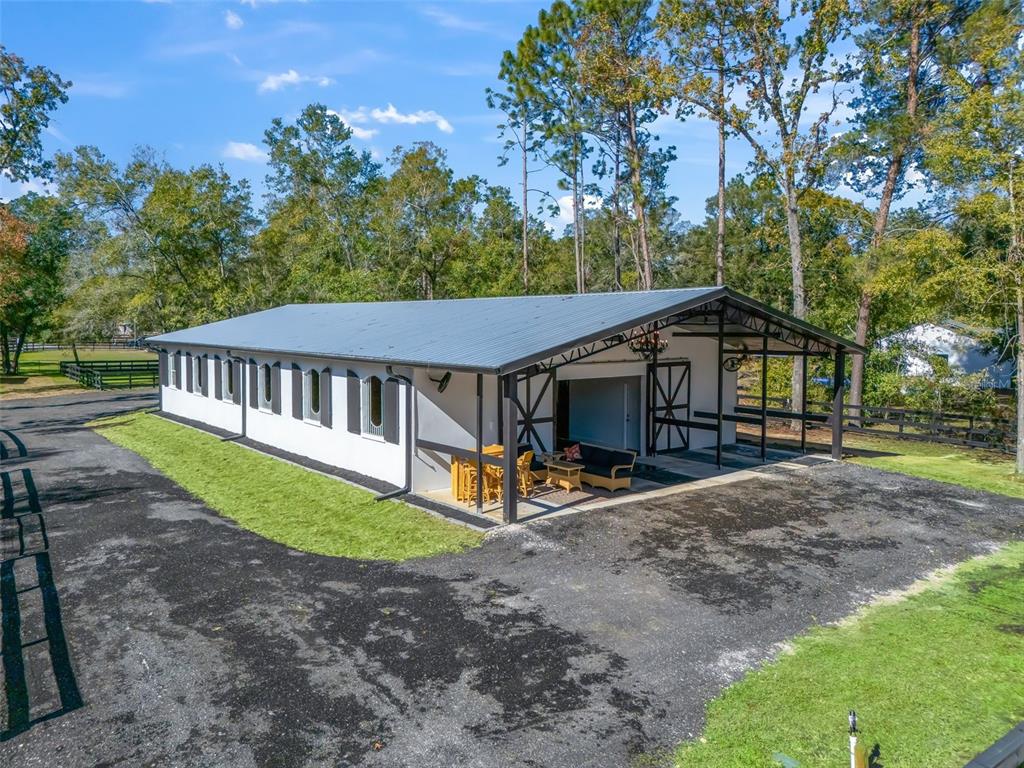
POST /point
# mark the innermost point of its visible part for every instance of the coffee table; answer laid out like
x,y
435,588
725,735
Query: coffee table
x,y
565,474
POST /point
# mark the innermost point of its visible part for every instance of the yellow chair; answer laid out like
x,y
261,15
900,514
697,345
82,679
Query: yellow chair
x,y
524,474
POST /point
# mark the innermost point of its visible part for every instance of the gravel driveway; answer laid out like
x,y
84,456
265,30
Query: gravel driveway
x,y
578,641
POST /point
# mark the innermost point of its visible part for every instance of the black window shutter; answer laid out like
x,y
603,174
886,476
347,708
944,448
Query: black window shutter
x,y
354,397
391,411
236,394
325,397
275,388
177,369
218,377
188,371
254,385
204,366
163,368
296,391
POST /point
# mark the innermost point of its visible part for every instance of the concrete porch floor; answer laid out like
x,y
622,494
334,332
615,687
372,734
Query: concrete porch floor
x,y
662,475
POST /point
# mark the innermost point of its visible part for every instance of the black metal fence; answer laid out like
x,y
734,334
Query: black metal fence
x,y
112,374
33,346
903,423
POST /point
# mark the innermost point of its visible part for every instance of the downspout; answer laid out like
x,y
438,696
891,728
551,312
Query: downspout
x,y
160,387
407,487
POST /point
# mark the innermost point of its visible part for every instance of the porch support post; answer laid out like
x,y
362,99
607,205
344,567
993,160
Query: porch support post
x,y
510,481
803,401
479,442
838,388
499,381
764,398
718,367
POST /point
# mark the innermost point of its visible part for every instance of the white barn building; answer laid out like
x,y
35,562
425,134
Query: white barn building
x,y
393,390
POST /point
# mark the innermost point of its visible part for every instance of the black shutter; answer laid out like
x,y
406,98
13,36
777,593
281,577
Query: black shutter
x,y
236,390
325,397
162,358
275,388
354,420
204,367
218,377
254,385
177,369
188,371
296,391
391,411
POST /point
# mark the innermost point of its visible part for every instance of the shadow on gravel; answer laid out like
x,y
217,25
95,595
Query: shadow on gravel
x,y
39,681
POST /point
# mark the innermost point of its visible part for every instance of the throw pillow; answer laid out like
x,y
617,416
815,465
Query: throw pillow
x,y
573,453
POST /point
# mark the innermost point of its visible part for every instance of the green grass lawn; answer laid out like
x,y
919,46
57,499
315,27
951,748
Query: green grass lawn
x,y
935,678
285,503
970,467
39,372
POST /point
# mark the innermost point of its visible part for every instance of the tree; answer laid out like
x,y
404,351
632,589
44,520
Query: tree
x,y
976,146
543,72
179,236
521,134
313,166
33,289
901,91
422,223
780,76
29,95
703,52
627,87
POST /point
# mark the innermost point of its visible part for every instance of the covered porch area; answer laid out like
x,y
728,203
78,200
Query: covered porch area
x,y
656,392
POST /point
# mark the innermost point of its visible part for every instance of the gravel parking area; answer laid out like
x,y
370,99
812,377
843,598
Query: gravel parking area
x,y
577,641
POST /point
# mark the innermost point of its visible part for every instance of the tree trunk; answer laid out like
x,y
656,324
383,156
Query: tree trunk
x,y
6,352
576,245
1019,467
618,206
646,277
526,215
18,345
720,237
799,301
882,219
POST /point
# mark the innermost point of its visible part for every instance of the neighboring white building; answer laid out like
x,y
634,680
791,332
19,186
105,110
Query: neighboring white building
x,y
960,344
392,390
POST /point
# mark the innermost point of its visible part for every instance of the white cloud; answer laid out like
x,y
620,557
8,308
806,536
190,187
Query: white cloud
x,y
104,88
291,77
241,150
232,20
13,190
590,203
449,20
390,114
360,133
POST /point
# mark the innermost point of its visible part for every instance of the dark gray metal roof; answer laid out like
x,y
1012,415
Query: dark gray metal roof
x,y
492,335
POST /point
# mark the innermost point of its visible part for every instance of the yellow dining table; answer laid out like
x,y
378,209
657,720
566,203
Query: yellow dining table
x,y
459,466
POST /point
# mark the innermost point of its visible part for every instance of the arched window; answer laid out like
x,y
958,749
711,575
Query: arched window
x,y
228,380
313,399
267,390
373,406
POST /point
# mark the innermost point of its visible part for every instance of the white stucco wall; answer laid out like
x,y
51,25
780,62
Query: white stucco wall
x,y
447,417
366,454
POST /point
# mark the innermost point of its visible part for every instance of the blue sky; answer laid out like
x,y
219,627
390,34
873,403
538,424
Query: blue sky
x,y
200,82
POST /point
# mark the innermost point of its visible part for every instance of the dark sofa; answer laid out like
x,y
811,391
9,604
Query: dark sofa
x,y
610,468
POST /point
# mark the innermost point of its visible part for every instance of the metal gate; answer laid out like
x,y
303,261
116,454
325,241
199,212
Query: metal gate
x,y
666,411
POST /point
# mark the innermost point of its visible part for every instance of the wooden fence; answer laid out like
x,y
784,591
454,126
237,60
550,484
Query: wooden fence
x,y
112,374
904,423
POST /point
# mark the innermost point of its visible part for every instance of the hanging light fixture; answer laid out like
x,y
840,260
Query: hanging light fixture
x,y
647,344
